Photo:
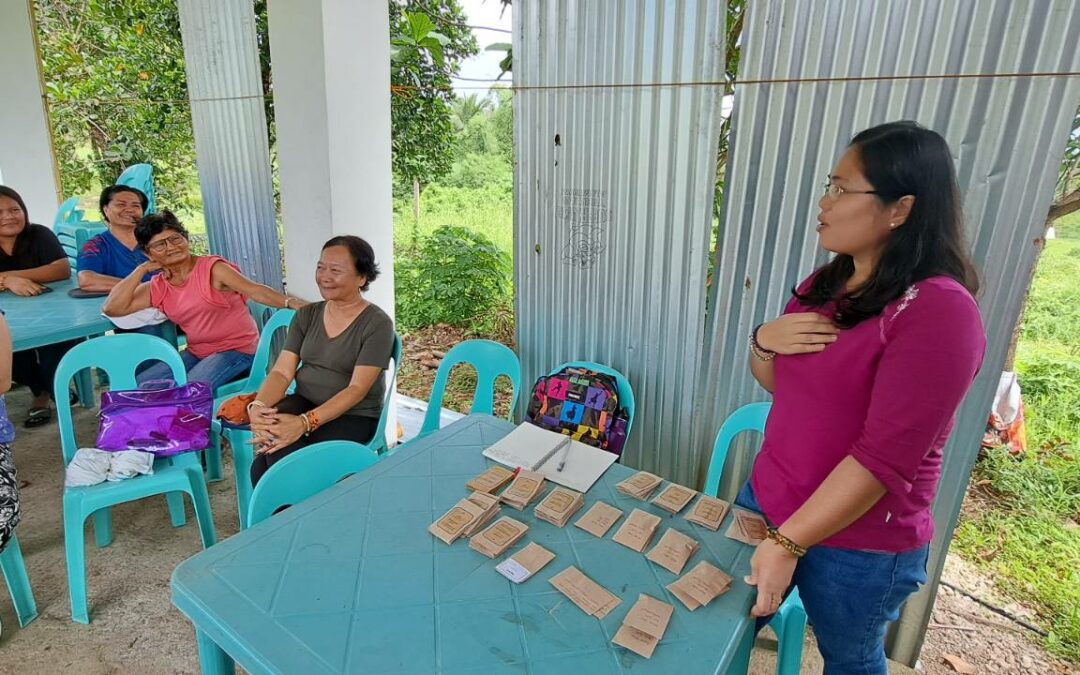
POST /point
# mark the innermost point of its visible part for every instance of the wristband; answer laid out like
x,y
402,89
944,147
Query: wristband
x,y
790,546
756,349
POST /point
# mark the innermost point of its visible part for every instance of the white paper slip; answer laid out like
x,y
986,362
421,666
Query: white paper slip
x,y
584,466
527,447
513,571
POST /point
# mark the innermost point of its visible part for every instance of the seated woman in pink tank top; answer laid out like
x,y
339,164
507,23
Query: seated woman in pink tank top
x,y
206,296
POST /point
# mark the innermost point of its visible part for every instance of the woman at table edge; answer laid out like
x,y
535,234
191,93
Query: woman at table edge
x,y
31,256
867,367
203,295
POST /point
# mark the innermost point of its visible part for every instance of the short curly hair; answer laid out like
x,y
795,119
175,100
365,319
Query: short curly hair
x,y
156,223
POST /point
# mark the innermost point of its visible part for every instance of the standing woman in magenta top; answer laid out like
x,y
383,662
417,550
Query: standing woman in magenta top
x,y
867,367
205,296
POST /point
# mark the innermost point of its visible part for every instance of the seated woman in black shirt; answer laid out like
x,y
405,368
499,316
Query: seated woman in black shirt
x,y
31,255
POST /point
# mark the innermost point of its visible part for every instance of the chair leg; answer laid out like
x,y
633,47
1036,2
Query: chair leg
x,y
213,454
176,508
18,583
212,659
242,458
790,627
75,553
103,527
200,499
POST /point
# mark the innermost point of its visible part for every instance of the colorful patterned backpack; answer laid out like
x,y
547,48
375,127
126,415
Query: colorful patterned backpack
x,y
580,403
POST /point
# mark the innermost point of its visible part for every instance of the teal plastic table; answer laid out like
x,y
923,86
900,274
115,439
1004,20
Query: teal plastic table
x,y
351,581
52,317
55,317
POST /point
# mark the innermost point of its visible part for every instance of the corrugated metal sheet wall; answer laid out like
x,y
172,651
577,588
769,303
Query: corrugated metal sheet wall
x,y
613,195
1007,135
225,87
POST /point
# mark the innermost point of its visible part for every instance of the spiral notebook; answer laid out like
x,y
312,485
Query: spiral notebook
x,y
535,449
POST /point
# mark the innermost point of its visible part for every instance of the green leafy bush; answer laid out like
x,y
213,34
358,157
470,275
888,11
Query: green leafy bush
x,y
454,277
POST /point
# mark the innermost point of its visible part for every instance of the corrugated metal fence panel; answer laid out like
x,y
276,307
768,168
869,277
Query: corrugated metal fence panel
x,y
613,195
1007,135
225,87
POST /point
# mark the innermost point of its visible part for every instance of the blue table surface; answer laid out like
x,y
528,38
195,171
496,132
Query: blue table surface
x,y
52,317
351,581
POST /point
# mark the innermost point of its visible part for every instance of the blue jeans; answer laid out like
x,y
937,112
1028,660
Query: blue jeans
x,y
850,598
217,369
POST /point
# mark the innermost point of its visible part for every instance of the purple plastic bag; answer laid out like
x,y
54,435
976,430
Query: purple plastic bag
x,y
162,421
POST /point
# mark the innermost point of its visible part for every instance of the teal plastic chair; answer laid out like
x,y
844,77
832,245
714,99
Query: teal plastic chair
x,y
789,622
378,441
141,177
626,392
72,236
305,473
14,569
263,316
490,360
240,439
119,356
68,212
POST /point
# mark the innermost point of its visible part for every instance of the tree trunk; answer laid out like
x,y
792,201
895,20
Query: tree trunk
x,y
416,213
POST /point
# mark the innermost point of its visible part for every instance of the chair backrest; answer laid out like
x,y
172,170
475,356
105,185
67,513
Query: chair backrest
x,y
378,441
141,177
626,392
68,212
72,236
260,313
306,473
260,366
490,360
750,417
119,356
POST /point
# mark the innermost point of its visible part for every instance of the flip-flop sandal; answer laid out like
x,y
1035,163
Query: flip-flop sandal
x,y
38,417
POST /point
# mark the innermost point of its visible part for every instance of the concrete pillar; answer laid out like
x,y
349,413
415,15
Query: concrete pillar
x,y
331,70
231,141
26,155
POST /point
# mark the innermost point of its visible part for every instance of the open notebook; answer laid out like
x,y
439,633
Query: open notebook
x,y
536,449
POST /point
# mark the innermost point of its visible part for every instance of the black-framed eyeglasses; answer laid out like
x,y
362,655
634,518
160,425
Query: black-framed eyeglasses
x,y
161,244
834,191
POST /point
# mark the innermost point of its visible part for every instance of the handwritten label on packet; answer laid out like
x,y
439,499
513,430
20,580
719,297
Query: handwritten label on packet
x,y
637,531
599,519
525,563
644,626
672,551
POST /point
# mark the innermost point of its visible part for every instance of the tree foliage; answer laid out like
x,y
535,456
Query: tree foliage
x,y
117,93
431,40
117,89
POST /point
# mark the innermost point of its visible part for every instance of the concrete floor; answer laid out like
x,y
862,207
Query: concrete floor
x,y
134,628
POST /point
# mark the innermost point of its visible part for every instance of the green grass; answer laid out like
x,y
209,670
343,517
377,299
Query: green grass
x,y
1022,526
489,211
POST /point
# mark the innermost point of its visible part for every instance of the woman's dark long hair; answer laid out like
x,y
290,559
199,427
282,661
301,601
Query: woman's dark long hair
x,y
898,159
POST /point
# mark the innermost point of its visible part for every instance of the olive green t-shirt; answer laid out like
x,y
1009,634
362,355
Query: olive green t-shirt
x,y
327,363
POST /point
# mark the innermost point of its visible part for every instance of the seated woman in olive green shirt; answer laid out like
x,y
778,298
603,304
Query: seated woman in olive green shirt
x,y
336,351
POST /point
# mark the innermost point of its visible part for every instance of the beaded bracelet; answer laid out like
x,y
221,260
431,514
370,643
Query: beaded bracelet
x,y
254,403
311,421
790,546
756,349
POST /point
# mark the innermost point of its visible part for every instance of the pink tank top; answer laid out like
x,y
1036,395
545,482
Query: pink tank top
x,y
214,321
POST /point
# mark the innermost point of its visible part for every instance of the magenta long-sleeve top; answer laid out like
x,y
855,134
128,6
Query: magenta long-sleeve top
x,y
886,393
